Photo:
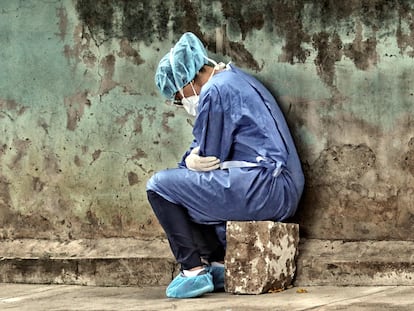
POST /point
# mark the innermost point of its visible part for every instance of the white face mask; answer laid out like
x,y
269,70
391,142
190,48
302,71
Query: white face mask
x,y
191,103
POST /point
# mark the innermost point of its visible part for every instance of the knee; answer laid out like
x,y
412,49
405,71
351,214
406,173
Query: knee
x,y
151,183
159,180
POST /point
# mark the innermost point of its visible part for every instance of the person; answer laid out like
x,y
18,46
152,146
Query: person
x,y
242,164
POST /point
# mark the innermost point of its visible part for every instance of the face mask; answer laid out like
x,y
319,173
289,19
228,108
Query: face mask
x,y
191,103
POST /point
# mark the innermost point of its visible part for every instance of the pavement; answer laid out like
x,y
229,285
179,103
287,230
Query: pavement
x,y
25,297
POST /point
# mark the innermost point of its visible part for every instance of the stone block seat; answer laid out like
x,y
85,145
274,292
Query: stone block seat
x,y
260,256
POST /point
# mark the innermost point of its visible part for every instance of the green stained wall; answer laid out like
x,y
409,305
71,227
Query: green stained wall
x,y
82,126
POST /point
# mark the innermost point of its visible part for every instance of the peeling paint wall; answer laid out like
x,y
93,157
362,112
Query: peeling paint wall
x,y
82,126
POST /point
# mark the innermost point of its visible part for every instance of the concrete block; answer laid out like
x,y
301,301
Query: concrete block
x,y
260,256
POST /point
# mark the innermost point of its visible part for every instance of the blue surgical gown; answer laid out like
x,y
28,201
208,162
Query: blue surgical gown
x,y
238,120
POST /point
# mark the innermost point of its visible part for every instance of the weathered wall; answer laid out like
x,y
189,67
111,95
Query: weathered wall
x,y
82,127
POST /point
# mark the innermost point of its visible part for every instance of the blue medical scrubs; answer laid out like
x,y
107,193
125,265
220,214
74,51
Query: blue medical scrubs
x,y
240,123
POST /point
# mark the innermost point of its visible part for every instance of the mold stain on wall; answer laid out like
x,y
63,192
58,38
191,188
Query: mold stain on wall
x,y
75,108
329,49
107,83
362,52
5,201
148,20
136,21
63,22
11,109
407,162
127,51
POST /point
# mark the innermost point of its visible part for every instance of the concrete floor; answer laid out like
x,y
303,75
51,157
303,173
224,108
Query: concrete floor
x,y
24,297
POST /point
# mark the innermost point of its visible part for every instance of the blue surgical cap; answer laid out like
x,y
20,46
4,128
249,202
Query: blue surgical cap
x,y
179,66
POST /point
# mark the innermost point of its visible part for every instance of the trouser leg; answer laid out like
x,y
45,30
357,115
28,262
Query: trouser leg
x,y
221,233
178,227
208,242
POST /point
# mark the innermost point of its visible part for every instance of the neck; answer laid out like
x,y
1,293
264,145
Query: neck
x,y
203,77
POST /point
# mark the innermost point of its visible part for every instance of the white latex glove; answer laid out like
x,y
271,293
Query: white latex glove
x,y
195,162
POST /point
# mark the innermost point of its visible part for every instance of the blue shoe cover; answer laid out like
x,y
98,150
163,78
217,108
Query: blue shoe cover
x,y
190,286
218,277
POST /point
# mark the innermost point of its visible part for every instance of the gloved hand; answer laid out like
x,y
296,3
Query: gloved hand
x,y
195,162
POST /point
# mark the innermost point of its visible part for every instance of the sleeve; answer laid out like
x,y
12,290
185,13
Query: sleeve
x,y
213,127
